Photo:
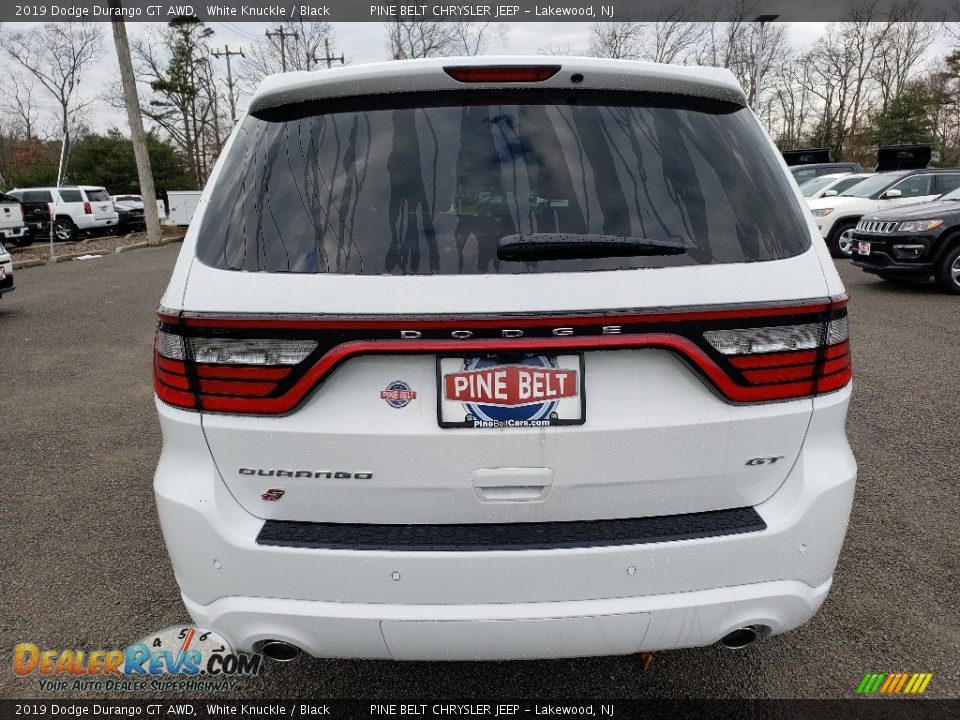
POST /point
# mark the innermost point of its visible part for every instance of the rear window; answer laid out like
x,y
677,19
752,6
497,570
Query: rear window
x,y
71,196
97,195
417,184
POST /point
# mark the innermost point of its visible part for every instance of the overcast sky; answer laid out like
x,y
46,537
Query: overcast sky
x,y
360,42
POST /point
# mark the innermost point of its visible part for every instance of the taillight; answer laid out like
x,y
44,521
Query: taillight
x,y
779,362
223,375
268,365
87,208
501,73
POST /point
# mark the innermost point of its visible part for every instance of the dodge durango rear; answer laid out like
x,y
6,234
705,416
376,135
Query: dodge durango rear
x,y
495,358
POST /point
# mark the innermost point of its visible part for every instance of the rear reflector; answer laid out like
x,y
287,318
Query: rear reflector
x,y
269,365
502,73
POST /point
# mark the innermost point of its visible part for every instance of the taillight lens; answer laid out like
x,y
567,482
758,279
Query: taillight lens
x,y
501,73
223,374
788,361
87,208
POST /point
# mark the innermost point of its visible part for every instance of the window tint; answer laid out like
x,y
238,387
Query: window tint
x,y
846,183
814,186
803,176
946,183
363,188
71,196
915,186
872,185
97,195
33,196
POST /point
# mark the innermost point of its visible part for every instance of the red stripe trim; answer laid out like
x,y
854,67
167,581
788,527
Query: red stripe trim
x,y
289,400
774,359
179,382
241,372
177,367
228,387
837,350
773,375
280,322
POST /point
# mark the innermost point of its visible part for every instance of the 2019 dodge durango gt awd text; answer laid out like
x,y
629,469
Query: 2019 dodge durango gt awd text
x,y
502,358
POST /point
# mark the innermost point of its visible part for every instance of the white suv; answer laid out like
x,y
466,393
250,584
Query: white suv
x,y
502,358
79,208
837,216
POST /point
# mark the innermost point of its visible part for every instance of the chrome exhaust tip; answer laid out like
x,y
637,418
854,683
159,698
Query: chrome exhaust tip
x,y
278,650
740,638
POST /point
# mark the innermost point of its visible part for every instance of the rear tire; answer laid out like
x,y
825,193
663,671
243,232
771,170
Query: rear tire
x,y
64,230
841,240
948,272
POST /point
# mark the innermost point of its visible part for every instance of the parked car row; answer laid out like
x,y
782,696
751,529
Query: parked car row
x,y
6,271
26,213
899,225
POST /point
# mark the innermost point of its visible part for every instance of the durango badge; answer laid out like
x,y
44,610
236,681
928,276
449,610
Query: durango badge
x,y
398,394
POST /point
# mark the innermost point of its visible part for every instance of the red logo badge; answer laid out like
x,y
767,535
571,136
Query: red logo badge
x,y
272,495
511,385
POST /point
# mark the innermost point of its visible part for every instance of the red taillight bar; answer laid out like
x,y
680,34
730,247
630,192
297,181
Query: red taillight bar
x,y
501,73
272,390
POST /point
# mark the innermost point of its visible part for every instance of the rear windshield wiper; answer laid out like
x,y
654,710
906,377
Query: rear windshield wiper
x,y
560,246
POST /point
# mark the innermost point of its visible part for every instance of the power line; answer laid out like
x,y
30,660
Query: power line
x,y
283,35
227,52
327,57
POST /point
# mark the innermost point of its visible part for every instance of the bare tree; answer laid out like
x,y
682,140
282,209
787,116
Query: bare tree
x,y
55,55
905,42
414,39
18,103
306,44
619,39
668,39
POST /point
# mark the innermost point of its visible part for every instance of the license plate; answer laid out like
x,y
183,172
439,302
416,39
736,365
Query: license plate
x,y
530,391
3,272
863,248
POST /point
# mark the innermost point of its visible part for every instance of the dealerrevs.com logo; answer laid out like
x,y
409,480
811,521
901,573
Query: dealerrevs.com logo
x,y
182,657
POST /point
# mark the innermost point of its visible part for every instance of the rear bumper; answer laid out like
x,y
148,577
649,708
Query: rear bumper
x,y
504,604
511,631
11,233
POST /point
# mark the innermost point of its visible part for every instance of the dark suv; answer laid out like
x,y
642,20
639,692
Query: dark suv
x,y
913,242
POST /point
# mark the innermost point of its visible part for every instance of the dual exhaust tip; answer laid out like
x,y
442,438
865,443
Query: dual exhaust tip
x,y
739,639
743,637
277,650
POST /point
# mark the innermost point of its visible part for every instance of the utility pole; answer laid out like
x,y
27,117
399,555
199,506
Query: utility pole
x,y
283,35
137,136
763,20
227,52
326,54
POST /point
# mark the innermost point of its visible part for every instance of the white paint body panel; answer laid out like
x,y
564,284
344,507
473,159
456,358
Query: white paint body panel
x,y
657,441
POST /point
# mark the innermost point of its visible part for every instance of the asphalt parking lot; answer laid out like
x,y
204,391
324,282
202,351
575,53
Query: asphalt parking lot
x,y
84,566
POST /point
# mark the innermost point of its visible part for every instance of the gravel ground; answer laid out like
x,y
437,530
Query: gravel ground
x,y
94,245
84,564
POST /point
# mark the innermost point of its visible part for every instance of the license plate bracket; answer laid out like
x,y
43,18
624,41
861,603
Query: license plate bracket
x,y
522,390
